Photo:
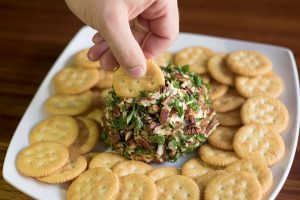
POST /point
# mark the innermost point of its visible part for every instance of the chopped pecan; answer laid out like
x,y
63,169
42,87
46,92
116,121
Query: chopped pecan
x,y
190,119
188,112
192,131
164,114
162,89
128,135
114,137
145,158
143,142
116,112
167,100
211,126
153,125
132,144
180,78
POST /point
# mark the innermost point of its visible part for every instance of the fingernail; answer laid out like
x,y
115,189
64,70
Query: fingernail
x,y
136,72
97,39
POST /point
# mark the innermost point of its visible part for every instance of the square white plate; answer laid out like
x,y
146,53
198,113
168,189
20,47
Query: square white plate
x,y
284,65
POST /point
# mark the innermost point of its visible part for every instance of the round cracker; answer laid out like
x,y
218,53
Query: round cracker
x,y
195,57
203,180
162,172
177,187
97,183
126,86
107,160
222,137
63,129
248,63
217,68
80,59
72,80
216,157
234,186
163,59
256,168
260,141
131,167
231,118
137,186
228,102
73,168
267,111
105,80
87,138
268,84
196,167
96,115
63,104
217,90
42,158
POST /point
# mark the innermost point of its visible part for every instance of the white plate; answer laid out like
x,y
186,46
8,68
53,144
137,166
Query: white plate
x,y
284,65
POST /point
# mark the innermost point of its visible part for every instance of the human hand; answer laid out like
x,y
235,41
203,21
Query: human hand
x,y
128,30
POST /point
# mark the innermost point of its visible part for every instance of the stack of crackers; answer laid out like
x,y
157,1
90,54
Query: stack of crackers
x,y
235,164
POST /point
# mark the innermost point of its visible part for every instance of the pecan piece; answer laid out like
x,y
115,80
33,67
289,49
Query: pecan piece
x,y
153,125
167,100
180,78
164,114
162,89
143,142
190,119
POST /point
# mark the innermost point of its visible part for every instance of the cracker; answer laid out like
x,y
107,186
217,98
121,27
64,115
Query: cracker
x,y
216,157
97,183
107,160
248,63
73,168
73,80
88,136
137,186
217,90
258,140
222,137
63,129
266,111
268,84
203,180
126,86
89,156
196,167
234,186
62,104
96,115
105,80
229,101
231,118
131,167
42,158
161,172
163,59
177,187
195,57
217,68
80,59
256,168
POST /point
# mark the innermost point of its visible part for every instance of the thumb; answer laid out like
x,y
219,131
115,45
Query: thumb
x,y
127,51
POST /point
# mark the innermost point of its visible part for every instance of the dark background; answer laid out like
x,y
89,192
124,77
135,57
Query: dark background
x,y
33,33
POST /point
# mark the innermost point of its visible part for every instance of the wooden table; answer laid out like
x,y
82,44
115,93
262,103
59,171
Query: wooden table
x,y
33,33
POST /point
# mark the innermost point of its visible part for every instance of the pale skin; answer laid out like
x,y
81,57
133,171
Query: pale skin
x,y
129,31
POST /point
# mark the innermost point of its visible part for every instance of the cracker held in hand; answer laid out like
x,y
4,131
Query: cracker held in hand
x,y
62,129
126,86
256,168
42,158
248,63
162,172
73,168
196,167
233,186
267,111
218,70
259,141
72,80
98,183
137,186
177,187
216,157
195,57
62,104
268,84
229,101
107,160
